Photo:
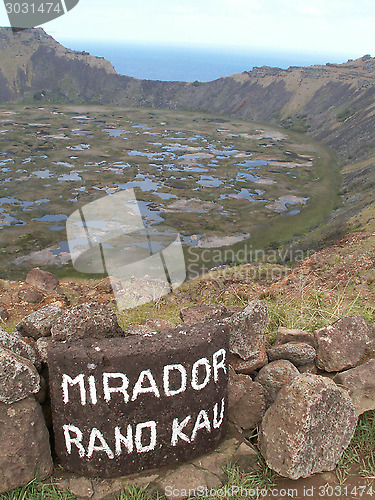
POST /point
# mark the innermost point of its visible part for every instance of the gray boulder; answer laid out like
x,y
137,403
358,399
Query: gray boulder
x,y
298,354
247,342
43,280
30,295
360,384
247,401
286,335
249,366
342,345
275,375
88,320
25,448
14,343
18,376
39,323
308,427
247,330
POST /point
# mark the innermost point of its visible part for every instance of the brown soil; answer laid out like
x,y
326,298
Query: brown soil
x,y
326,486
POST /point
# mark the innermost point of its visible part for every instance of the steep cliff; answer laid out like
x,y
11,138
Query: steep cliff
x,y
333,103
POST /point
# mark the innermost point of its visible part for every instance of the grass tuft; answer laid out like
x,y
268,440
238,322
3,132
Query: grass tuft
x,y
360,453
36,490
241,484
311,310
139,493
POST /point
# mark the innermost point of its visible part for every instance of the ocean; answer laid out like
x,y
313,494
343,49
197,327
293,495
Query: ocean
x,y
175,63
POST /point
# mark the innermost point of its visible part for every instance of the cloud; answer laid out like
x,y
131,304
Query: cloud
x,y
299,25
310,10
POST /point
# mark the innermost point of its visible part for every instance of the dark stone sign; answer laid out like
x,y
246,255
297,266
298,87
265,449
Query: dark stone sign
x,y
126,404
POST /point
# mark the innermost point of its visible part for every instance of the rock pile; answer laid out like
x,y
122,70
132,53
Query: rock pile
x,y
305,392
23,432
26,451
306,419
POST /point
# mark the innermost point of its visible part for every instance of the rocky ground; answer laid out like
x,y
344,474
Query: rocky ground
x,y
341,274
327,286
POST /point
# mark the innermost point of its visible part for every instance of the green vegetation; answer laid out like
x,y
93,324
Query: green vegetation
x,y
297,123
37,490
360,454
312,310
261,479
142,493
306,308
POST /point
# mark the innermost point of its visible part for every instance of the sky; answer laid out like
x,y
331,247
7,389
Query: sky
x,y
321,26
